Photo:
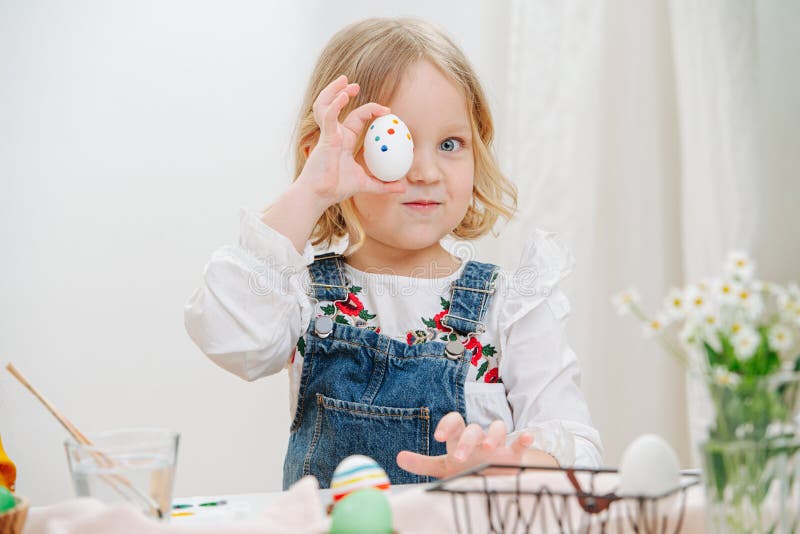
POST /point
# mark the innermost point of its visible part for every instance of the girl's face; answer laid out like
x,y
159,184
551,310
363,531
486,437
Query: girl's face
x,y
439,183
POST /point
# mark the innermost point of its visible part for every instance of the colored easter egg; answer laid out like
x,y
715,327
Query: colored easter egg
x,y
388,148
365,511
7,500
355,473
8,471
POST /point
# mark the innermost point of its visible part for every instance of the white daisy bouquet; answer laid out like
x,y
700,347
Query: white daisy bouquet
x,y
739,334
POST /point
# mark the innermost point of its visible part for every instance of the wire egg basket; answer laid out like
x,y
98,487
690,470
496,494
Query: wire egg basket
x,y
511,499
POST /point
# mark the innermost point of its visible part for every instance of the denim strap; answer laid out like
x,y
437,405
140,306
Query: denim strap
x,y
470,297
328,281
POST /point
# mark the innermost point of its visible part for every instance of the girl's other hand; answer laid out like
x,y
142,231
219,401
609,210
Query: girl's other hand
x,y
469,446
331,172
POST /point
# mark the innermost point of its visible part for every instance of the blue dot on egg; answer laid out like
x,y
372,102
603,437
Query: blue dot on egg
x,y
384,148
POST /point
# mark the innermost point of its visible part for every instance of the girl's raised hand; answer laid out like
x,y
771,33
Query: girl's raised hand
x,y
468,446
330,171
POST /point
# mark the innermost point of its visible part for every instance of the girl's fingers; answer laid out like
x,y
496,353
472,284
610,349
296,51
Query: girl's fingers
x,y
330,118
376,186
495,436
357,119
352,89
327,95
421,464
325,100
523,441
470,438
449,429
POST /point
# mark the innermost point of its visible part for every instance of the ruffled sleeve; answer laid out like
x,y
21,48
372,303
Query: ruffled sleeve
x,y
539,369
545,262
264,242
251,309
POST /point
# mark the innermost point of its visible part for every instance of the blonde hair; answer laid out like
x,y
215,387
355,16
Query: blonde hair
x,y
376,53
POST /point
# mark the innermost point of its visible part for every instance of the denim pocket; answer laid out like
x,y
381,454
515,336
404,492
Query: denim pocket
x,y
343,428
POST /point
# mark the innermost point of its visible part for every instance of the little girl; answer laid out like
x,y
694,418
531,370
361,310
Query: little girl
x,y
396,348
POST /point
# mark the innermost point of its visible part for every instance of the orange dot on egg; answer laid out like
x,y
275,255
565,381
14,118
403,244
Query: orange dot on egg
x,y
408,135
390,131
395,121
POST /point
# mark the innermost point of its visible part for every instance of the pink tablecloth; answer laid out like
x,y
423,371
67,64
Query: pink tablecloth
x,y
301,510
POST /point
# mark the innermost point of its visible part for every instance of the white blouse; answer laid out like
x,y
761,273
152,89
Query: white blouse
x,y
252,311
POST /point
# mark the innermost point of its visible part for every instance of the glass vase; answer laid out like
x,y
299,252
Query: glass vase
x,y
751,459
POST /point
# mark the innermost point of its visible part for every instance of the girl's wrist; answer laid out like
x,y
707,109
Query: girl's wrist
x,y
309,198
295,214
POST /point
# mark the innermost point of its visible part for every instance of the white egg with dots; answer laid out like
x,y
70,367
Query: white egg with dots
x,y
388,148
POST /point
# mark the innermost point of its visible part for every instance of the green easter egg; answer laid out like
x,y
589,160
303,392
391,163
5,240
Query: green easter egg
x,y
7,500
365,511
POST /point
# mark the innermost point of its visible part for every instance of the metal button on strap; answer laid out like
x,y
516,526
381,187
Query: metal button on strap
x,y
323,326
453,350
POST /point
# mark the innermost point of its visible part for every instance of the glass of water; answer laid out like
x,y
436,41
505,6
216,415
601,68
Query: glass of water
x,y
136,465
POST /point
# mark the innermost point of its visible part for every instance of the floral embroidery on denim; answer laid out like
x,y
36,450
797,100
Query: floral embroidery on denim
x,y
351,311
484,356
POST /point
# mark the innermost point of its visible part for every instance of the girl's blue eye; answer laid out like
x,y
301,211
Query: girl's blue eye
x,y
450,144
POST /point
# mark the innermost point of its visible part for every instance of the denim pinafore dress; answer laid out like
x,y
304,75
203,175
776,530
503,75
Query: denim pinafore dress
x,y
363,392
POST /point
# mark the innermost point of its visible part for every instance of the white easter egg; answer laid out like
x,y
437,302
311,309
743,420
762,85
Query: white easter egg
x,y
649,467
388,148
357,472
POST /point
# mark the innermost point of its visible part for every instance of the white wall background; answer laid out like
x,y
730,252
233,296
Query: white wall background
x,y
130,133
